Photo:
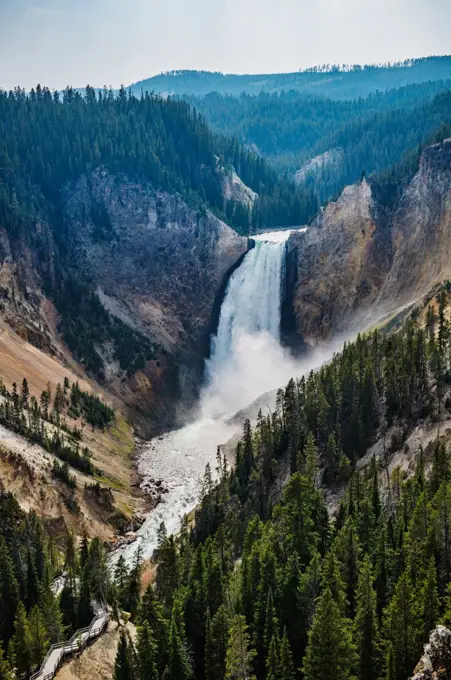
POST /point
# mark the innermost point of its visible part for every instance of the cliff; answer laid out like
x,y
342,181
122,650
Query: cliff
x,y
436,660
360,259
156,265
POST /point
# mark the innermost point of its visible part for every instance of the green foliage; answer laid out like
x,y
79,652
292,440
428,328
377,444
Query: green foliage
x,y
85,324
239,653
370,135
330,651
5,668
338,81
157,140
123,665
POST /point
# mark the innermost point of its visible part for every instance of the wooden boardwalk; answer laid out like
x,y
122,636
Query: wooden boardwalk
x,y
57,652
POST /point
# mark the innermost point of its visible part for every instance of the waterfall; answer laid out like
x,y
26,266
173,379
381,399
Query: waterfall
x,y
246,361
252,301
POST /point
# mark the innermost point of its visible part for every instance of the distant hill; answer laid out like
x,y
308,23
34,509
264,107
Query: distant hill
x,y
328,81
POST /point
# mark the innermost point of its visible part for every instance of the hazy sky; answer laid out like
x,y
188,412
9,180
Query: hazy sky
x,y
109,42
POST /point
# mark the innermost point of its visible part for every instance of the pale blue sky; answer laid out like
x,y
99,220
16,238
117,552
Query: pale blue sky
x,y
109,42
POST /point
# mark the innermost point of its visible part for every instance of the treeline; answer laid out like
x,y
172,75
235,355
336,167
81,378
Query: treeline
x,y
34,613
49,139
330,80
44,421
372,134
265,585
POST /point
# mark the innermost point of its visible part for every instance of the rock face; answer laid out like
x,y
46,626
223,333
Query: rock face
x,y
157,264
340,265
435,664
356,261
421,228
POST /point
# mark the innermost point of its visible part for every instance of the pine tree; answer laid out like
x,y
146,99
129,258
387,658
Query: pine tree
x,y
32,582
402,628
286,666
146,650
84,607
151,612
52,615
168,578
133,595
9,593
390,673
5,669
366,625
239,655
38,633
209,651
331,653
429,601
271,623
68,607
332,579
123,665
220,629
22,642
179,662
311,459
84,550
272,660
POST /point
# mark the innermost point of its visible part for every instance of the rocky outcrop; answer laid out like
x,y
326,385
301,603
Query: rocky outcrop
x,y
340,265
329,161
157,264
435,664
357,262
421,229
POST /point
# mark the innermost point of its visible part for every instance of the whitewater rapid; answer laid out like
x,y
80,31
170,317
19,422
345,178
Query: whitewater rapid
x,y
246,360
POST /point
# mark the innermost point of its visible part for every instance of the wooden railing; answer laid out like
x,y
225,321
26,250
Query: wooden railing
x,y
76,643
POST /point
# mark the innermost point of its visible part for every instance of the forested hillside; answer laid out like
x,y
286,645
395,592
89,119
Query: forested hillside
x,y
271,588
367,135
35,613
330,80
83,178
49,140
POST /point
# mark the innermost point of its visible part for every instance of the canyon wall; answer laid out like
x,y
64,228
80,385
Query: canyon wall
x,y
359,259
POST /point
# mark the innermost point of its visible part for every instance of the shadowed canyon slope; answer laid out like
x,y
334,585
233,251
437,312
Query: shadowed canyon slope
x,y
159,269
156,265
360,257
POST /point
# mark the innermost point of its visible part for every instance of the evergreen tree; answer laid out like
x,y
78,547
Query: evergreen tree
x,y
402,628
38,635
9,593
146,650
151,612
286,666
220,629
123,665
209,651
22,642
179,662
430,601
239,655
272,660
5,669
331,653
366,625
167,579
271,623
